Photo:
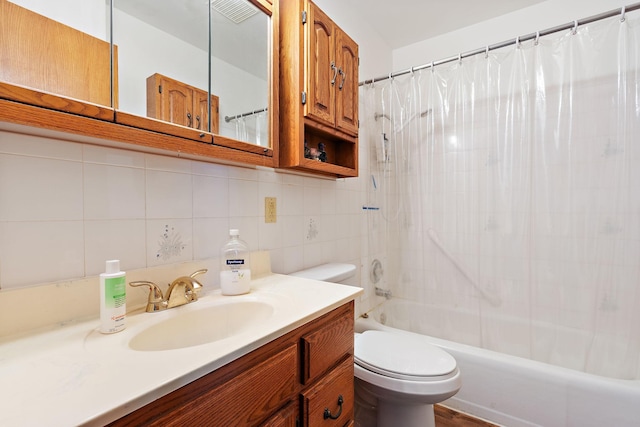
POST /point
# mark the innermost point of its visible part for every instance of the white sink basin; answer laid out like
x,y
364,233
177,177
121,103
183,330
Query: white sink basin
x,y
200,326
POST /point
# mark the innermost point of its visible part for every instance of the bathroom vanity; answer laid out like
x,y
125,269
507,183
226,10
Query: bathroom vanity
x,y
284,357
287,382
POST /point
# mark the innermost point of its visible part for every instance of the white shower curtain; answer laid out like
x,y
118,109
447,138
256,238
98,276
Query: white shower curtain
x,y
508,189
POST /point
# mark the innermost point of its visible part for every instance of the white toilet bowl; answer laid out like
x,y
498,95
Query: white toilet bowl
x,y
399,378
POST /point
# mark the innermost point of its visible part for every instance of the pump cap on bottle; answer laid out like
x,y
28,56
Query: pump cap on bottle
x,y
234,232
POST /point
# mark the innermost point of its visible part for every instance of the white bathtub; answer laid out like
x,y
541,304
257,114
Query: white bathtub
x,y
513,391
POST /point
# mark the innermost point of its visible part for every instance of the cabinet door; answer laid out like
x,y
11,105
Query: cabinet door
x,y
346,86
201,118
321,66
169,100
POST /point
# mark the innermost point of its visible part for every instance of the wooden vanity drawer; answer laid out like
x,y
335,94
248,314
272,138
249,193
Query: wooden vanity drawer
x,y
325,346
335,387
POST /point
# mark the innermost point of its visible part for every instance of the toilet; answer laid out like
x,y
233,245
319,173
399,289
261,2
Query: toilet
x,y
398,376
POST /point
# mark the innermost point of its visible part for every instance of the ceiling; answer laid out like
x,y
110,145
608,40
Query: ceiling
x,y
404,22
398,22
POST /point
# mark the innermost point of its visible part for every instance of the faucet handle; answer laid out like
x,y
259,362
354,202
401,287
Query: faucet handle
x,y
197,285
156,301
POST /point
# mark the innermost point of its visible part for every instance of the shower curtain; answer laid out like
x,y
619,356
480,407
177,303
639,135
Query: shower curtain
x,y
506,186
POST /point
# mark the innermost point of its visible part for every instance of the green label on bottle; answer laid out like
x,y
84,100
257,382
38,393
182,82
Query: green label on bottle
x,y
115,292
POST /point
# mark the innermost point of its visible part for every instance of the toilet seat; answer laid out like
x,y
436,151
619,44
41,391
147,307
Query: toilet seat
x,y
402,357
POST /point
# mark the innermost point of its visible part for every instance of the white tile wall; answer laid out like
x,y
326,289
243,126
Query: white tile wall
x,y
67,207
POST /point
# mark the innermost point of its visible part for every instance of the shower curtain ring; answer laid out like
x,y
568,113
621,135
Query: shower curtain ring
x,y
622,12
537,38
460,58
575,27
486,52
518,42
432,65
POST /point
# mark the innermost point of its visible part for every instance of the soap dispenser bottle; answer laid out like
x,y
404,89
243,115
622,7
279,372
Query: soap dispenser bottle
x,y
113,298
235,271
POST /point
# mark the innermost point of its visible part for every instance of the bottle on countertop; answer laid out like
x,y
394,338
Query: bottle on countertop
x,y
235,271
113,298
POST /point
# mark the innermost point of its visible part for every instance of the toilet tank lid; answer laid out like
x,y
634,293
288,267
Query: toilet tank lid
x,y
331,272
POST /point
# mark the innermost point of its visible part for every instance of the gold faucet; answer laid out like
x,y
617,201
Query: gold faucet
x,y
181,291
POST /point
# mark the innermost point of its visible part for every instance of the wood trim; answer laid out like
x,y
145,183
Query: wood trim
x,y
156,125
48,100
446,417
105,133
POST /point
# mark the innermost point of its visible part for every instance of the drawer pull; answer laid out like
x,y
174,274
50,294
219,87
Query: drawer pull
x,y
327,412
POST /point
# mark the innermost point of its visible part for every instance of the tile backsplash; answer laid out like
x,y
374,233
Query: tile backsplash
x,y
66,207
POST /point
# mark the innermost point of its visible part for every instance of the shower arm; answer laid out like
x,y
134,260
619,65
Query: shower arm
x,y
493,299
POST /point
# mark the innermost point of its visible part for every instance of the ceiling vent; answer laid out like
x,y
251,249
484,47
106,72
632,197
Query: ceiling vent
x,y
235,10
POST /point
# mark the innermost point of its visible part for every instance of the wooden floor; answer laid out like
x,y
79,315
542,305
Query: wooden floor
x,y
446,417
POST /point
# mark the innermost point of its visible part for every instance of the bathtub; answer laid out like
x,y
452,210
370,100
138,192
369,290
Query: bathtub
x,y
514,391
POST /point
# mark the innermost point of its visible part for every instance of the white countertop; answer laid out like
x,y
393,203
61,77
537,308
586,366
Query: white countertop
x,y
73,375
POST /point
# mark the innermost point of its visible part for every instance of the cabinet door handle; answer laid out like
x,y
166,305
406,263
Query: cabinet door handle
x,y
189,121
335,73
327,412
197,122
344,77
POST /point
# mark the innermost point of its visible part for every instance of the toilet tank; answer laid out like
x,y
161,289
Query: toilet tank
x,y
331,272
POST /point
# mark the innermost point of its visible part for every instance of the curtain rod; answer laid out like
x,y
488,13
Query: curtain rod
x,y
229,118
506,43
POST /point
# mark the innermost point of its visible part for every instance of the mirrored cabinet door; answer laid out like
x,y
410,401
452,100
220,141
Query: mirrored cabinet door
x,y
240,69
56,48
163,71
198,65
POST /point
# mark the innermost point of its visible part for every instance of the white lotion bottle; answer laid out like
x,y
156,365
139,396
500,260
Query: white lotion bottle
x,y
113,298
235,272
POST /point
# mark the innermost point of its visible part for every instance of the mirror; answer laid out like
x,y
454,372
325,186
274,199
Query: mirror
x,y
61,48
164,64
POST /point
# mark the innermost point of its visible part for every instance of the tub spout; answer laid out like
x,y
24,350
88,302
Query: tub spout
x,y
383,293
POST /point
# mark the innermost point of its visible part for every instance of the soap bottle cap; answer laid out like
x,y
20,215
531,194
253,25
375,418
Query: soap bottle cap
x,y
113,266
234,232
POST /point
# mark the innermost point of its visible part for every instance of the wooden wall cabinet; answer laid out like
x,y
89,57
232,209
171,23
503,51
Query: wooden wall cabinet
x,y
318,91
172,101
289,382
